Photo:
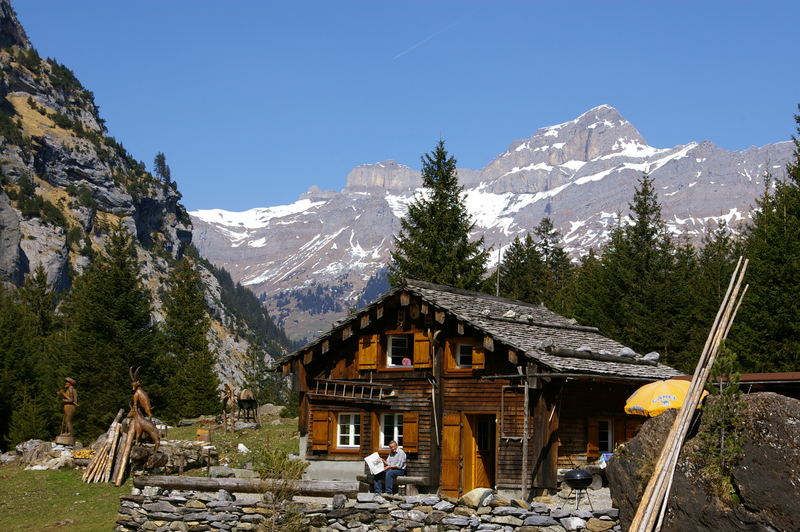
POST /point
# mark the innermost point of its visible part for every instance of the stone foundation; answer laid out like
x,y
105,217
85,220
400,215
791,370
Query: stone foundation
x,y
164,510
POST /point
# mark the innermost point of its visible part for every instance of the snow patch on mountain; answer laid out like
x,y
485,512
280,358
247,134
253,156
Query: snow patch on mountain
x,y
254,218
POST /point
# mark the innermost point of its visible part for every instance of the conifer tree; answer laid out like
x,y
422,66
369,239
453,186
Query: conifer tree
x,y
766,334
109,330
433,243
161,168
521,272
192,382
629,297
28,360
557,266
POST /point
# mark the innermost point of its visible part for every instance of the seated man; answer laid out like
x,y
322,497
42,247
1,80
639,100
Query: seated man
x,y
395,467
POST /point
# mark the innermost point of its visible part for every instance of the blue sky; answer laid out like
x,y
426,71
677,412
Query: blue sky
x,y
253,101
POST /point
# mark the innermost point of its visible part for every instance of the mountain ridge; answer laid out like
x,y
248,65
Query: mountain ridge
x,y
581,173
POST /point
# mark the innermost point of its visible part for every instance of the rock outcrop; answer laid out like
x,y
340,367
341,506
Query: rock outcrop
x,y
64,182
766,480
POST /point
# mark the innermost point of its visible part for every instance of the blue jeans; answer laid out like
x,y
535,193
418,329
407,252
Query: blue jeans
x,y
388,475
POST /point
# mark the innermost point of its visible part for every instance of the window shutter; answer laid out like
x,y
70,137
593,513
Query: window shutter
x,y
478,357
422,350
320,428
368,351
451,454
410,432
592,444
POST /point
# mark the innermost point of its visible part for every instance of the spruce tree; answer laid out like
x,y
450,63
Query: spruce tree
x,y
629,296
766,334
521,272
433,243
109,330
161,168
29,363
557,266
192,382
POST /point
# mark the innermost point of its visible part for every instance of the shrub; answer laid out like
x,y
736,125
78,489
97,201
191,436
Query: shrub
x,y
722,431
74,236
10,129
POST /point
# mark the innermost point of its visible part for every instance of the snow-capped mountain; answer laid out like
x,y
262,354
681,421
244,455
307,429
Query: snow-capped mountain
x,y
312,259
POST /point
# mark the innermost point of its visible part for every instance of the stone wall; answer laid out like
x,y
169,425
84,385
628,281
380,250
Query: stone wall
x,y
162,510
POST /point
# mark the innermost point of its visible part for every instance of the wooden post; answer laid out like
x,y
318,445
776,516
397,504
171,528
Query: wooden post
x,y
525,420
126,452
111,451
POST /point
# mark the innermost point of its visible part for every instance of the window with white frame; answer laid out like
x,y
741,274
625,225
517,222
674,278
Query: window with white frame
x,y
349,431
391,429
464,355
400,350
605,436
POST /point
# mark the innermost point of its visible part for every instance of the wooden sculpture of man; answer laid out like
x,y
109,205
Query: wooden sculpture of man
x,y
141,401
69,398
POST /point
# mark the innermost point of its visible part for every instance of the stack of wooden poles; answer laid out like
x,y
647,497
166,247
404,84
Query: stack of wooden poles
x,y
110,463
655,497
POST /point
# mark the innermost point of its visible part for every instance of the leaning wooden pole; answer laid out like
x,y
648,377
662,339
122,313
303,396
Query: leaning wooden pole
x,y
98,456
655,492
665,501
671,450
126,452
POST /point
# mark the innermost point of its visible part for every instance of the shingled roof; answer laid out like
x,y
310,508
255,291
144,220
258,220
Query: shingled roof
x,y
534,331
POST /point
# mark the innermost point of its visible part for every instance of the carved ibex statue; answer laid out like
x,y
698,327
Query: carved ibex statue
x,y
247,403
140,398
142,424
228,406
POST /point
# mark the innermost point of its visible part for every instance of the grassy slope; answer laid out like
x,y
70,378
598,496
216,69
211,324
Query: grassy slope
x,y
45,500
55,500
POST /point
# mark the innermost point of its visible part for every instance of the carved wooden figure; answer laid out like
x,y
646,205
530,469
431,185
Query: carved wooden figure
x,y
140,398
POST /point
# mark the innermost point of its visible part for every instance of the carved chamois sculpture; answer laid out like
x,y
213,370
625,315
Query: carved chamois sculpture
x,y
140,398
247,403
229,407
141,424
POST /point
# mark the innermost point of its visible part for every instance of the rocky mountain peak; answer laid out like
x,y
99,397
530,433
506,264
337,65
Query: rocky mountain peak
x,y
11,31
389,175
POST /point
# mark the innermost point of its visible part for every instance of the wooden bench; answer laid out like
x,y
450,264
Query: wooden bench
x,y
406,485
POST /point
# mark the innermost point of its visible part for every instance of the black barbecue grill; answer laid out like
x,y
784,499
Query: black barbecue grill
x,y
578,481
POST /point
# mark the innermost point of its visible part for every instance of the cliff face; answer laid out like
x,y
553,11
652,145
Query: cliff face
x,y
65,183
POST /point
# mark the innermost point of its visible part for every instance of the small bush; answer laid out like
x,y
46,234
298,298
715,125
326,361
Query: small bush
x,y
85,197
722,431
74,236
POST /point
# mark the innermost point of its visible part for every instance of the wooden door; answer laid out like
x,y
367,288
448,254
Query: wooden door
x,y
480,456
451,454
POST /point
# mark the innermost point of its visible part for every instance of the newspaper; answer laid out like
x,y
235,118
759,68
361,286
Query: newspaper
x,y
375,463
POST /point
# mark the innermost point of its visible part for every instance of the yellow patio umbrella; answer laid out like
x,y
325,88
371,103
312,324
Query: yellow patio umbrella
x,y
654,398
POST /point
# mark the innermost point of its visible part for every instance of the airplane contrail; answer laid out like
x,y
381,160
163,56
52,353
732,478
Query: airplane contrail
x,y
426,39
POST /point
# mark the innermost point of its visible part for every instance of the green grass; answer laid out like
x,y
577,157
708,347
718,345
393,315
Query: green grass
x,y
60,501
282,437
56,500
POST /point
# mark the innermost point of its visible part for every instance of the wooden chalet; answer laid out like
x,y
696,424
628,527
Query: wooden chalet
x,y
480,391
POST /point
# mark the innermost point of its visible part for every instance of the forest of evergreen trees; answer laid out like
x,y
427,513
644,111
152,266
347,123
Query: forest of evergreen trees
x,y
103,327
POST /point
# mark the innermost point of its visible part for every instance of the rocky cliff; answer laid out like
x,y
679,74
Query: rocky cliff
x,y
66,182
581,173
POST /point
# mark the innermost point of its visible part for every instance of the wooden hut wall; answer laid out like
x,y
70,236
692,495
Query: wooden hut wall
x,y
583,403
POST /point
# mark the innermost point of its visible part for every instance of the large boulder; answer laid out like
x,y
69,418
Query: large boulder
x,y
765,479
